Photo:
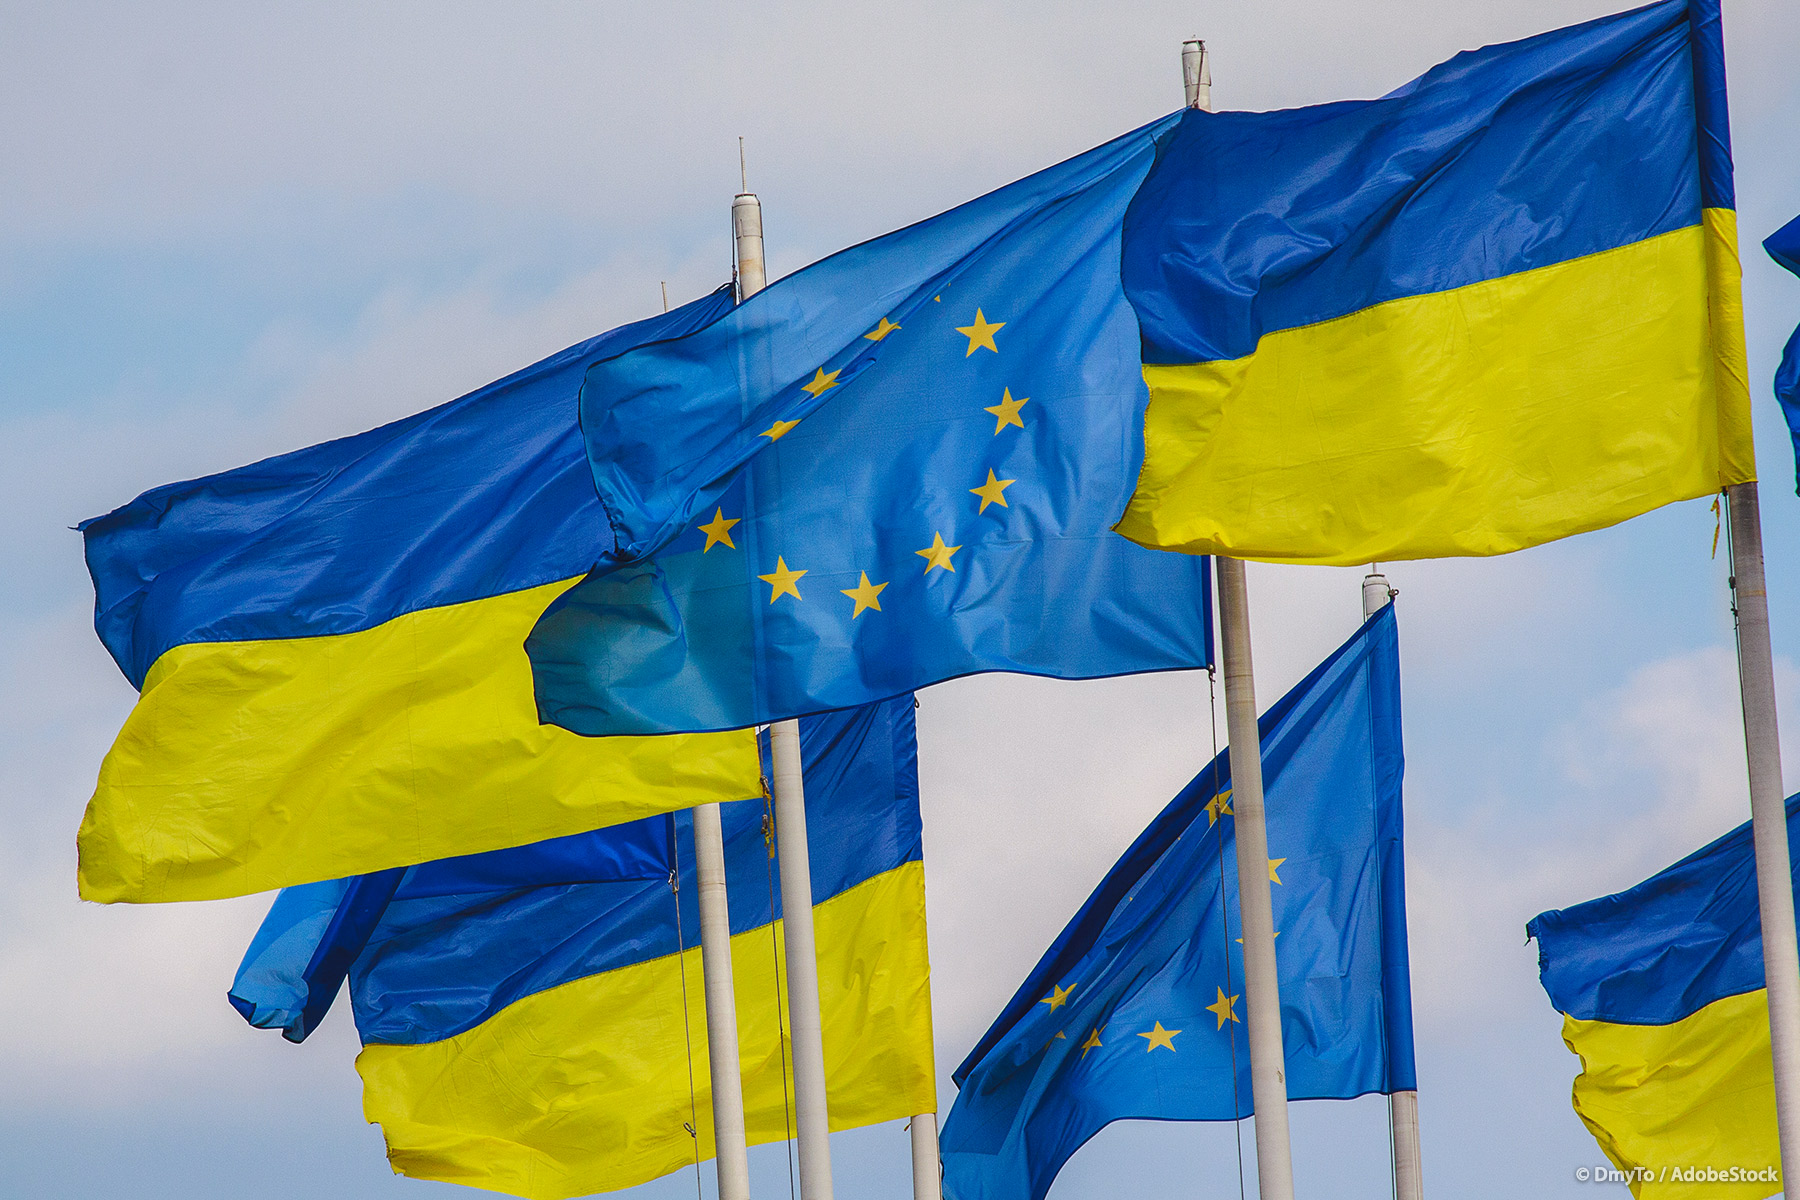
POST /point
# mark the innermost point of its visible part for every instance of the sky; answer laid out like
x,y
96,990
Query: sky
x,y
228,231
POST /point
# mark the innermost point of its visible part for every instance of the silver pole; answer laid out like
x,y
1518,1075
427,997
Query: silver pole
x,y
811,1117
1262,987
1403,1107
1262,990
1768,812
732,1155
927,1174
746,228
812,1120
1196,74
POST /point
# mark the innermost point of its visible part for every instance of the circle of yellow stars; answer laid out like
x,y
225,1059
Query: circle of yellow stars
x,y
940,555
1223,1009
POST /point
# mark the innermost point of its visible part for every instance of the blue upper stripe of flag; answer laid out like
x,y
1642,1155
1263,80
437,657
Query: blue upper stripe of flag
x,y
1498,161
482,496
1663,950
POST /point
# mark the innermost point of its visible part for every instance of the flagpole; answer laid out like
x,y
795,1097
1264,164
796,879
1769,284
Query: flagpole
x,y
731,1155
1403,1106
1768,812
927,1172
812,1122
1262,988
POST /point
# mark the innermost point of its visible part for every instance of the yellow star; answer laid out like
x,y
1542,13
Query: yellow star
x,y
937,554
990,492
1222,1009
1058,997
782,581
981,334
882,330
866,595
822,382
1274,863
1007,411
1092,1043
1240,941
776,431
719,530
1218,806
1160,1037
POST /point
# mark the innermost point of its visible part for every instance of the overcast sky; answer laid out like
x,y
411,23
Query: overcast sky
x,y
228,231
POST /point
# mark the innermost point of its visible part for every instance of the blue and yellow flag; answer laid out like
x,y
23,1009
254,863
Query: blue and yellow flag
x,y
539,1040
1496,307
1135,1011
1784,247
897,466
1663,998
328,647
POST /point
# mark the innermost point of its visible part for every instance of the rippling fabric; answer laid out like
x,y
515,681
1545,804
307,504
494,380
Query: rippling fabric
x,y
1496,307
1136,1009
1784,247
312,935
328,650
538,1040
1663,998
898,466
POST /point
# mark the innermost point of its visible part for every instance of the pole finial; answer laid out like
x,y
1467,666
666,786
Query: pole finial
x,y
1196,74
743,170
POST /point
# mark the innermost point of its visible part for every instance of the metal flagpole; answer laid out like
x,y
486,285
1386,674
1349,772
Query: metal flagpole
x,y
1403,1106
1262,994
927,1173
811,1120
731,1154
1262,990
1768,811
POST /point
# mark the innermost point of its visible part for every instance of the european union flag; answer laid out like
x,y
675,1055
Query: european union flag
x,y
1135,1011
895,467
1784,247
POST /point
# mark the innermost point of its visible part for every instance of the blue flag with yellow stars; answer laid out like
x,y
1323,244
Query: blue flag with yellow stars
x,y
1137,1009
948,514
1784,247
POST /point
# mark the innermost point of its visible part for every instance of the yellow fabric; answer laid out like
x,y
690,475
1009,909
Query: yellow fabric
x,y
1725,300
1475,421
584,1087
1697,1094
248,766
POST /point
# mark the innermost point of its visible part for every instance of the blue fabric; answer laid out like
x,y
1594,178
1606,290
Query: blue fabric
x,y
435,964
1154,946
882,465
1498,161
1663,950
315,932
482,496
1784,247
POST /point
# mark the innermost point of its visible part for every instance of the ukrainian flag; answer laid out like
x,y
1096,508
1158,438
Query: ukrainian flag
x,y
543,1040
328,647
1663,998
1496,307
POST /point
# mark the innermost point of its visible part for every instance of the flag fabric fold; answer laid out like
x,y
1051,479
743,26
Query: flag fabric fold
x,y
314,932
1784,247
895,467
1136,1009
328,650
538,1040
1498,306
1664,1001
